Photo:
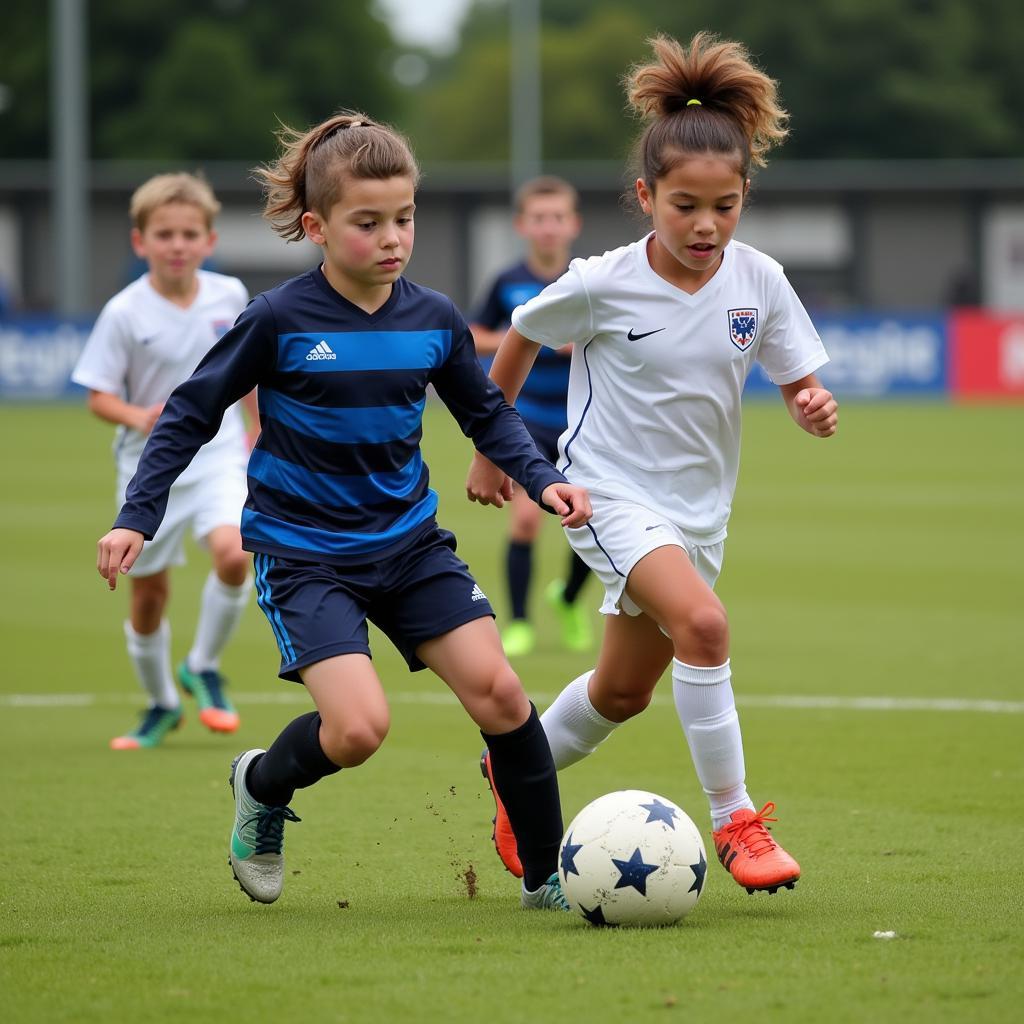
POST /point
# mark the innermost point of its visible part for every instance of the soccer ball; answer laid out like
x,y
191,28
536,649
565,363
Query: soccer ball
x,y
632,858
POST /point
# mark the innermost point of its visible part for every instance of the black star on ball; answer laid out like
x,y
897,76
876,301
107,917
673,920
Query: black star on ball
x,y
699,871
595,916
634,872
658,811
569,851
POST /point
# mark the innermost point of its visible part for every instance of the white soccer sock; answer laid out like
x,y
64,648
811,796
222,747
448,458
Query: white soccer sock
x,y
573,725
150,654
219,611
707,710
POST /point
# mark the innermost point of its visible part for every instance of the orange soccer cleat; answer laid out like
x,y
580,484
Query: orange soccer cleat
x,y
503,836
216,711
747,851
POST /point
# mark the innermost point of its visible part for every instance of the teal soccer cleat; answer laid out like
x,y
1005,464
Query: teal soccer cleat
x,y
257,838
216,711
156,723
548,897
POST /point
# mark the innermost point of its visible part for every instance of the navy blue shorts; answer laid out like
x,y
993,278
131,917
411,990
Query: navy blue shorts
x,y
317,610
545,438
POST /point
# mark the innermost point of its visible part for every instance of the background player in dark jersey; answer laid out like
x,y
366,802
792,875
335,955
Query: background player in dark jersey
x,y
339,514
548,221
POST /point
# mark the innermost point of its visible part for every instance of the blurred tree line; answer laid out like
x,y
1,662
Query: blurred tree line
x,y
198,79
209,79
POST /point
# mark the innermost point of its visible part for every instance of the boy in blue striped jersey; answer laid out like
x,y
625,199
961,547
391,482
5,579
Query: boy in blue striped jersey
x,y
340,516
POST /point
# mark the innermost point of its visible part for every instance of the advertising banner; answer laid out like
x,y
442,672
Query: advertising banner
x,y
986,355
37,355
873,355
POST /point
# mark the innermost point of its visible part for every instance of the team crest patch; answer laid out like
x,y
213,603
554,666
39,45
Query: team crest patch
x,y
742,327
221,327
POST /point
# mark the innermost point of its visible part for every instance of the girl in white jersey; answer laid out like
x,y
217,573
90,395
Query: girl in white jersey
x,y
665,331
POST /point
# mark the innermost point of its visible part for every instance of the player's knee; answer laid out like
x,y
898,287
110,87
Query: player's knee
x,y
230,562
505,701
620,706
703,634
352,743
149,599
233,569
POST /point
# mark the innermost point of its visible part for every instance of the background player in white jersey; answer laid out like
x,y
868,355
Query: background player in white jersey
x,y
665,332
147,340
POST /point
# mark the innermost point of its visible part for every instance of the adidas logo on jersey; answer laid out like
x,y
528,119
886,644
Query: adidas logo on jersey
x,y
321,351
477,594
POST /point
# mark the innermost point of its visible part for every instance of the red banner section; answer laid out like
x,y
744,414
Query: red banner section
x,y
986,355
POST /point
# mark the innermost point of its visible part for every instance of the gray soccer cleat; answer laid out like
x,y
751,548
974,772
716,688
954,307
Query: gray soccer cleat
x,y
548,897
257,838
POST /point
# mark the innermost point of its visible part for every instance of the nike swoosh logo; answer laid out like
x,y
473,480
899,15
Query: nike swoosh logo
x,y
636,337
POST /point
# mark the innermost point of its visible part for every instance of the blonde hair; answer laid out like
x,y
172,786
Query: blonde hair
x,y
707,98
311,170
545,185
173,188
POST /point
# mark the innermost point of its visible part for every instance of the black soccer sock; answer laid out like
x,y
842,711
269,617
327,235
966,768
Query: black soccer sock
x,y
294,761
519,562
578,573
524,775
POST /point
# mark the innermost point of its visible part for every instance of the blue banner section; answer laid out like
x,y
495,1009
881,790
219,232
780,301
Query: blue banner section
x,y
37,355
873,355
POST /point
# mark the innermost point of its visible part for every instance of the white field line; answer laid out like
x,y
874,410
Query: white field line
x,y
296,695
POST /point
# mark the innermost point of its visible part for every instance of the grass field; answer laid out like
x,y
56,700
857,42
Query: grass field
x,y
869,579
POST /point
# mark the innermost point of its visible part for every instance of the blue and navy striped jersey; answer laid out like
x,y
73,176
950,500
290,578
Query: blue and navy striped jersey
x,y
337,474
542,399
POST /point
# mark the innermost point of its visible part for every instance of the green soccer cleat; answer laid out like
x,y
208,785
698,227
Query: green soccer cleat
x,y
216,711
548,897
257,838
572,619
156,723
518,638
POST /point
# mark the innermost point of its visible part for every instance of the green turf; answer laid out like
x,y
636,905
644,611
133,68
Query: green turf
x,y
887,562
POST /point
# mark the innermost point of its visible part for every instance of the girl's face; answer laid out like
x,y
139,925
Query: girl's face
x,y
367,236
174,243
695,208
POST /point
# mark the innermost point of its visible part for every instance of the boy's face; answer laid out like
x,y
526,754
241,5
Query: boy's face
x,y
174,243
367,236
549,223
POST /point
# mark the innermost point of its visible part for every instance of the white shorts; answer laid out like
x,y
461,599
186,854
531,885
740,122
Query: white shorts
x,y
212,500
620,534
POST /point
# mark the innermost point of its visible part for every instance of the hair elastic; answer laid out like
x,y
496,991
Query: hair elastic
x,y
694,103
340,128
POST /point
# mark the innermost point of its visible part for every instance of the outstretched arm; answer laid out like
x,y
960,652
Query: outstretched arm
x,y
512,365
812,407
486,483
114,409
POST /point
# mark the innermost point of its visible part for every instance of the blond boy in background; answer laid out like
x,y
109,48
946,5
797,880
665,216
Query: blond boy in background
x,y
148,339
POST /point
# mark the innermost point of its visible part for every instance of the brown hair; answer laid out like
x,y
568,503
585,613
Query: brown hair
x,y
545,185
172,188
736,109
310,172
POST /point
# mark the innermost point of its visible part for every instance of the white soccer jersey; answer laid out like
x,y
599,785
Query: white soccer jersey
x,y
657,374
143,346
